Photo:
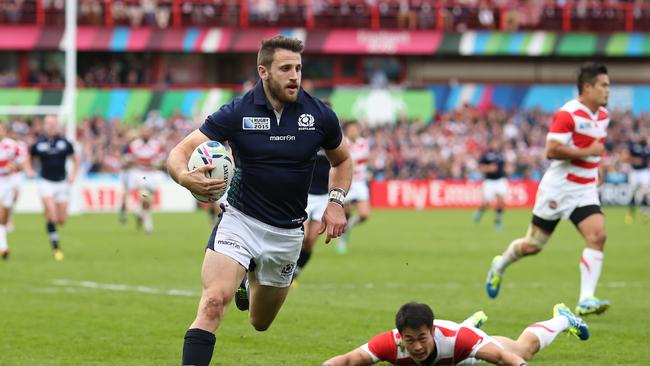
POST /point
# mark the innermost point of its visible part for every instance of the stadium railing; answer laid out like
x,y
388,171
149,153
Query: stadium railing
x,y
310,14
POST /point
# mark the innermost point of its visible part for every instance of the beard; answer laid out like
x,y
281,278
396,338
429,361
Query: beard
x,y
279,92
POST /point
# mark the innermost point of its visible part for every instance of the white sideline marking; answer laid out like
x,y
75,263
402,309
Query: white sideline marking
x,y
124,288
74,286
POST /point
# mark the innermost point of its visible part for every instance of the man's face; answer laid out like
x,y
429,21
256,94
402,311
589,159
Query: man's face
x,y
352,131
51,125
418,342
598,92
283,77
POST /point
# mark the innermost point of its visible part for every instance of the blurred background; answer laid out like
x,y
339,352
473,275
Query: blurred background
x,y
431,82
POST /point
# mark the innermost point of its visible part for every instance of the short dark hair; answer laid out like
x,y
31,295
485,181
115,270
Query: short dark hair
x,y
414,315
588,73
267,50
347,124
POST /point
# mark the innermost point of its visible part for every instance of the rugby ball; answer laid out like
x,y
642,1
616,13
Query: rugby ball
x,y
214,154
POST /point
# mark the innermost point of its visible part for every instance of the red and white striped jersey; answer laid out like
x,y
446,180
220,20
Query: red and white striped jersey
x,y
454,343
576,126
23,151
359,151
145,155
9,151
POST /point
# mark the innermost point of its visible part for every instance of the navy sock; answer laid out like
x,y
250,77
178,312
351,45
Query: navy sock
x,y
198,347
53,235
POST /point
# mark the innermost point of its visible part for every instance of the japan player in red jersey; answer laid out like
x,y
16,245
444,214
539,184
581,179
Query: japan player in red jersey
x,y
10,162
419,339
358,199
145,157
568,190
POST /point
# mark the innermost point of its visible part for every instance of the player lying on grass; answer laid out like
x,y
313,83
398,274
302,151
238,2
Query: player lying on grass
x,y
416,342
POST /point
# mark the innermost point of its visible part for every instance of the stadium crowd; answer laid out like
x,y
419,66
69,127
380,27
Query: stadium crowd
x,y
455,14
448,147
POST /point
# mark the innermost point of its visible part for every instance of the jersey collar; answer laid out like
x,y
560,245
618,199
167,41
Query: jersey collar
x,y
259,98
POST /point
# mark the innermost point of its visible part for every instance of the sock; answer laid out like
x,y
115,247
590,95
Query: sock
x,y
302,262
510,256
590,265
479,213
498,216
546,331
304,258
353,221
198,347
53,235
147,220
3,238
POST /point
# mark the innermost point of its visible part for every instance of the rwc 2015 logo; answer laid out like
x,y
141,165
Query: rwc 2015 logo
x,y
306,122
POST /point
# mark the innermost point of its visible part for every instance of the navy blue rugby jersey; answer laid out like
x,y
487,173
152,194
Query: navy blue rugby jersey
x,y
274,157
641,153
494,157
52,153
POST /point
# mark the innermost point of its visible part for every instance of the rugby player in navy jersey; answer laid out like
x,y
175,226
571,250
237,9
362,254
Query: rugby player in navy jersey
x,y
275,131
52,150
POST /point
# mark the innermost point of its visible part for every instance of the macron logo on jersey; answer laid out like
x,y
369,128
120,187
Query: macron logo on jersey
x,y
256,123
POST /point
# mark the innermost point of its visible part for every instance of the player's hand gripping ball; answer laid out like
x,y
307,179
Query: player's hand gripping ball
x,y
214,154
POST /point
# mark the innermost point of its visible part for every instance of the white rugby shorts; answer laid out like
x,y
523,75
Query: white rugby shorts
x,y
59,191
553,203
358,192
274,250
494,187
316,205
639,177
6,191
144,179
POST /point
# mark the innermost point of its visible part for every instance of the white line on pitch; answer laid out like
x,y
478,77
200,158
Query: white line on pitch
x,y
125,288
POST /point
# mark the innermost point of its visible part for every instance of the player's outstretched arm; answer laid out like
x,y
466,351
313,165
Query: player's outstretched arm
x,y
357,357
496,355
334,220
194,180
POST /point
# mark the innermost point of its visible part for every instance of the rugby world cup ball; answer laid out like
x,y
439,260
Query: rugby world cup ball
x,y
214,154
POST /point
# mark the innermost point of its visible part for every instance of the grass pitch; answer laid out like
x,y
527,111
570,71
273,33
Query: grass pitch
x,y
122,297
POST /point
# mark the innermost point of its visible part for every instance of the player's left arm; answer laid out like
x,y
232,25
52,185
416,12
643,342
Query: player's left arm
x,y
356,357
334,220
498,356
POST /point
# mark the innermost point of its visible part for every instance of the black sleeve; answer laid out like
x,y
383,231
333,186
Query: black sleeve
x,y
32,150
69,148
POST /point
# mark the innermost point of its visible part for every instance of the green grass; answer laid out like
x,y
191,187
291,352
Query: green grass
x,y
438,257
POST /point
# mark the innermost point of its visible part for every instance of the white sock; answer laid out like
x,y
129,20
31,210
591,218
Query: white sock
x,y
352,222
3,238
510,256
147,220
590,265
546,331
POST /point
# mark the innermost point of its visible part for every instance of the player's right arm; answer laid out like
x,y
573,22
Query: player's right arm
x,y
357,357
194,180
560,134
